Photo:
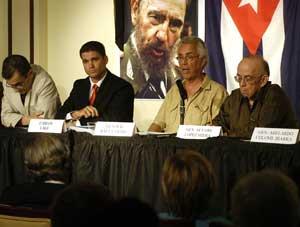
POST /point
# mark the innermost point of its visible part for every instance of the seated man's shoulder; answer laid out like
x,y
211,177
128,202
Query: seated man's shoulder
x,y
234,96
40,73
236,92
119,82
275,88
80,82
275,92
217,86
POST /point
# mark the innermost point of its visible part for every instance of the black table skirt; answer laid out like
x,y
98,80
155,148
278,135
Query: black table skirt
x,y
132,166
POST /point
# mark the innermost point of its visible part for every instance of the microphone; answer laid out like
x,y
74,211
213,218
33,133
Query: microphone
x,y
181,89
183,96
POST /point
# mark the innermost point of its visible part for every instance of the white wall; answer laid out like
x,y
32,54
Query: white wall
x,y
3,31
40,33
71,23
74,22
21,28
61,27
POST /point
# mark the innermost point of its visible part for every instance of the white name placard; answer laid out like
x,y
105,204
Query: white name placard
x,y
198,132
45,125
105,128
275,135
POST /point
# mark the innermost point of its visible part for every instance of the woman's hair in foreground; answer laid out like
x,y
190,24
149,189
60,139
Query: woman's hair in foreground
x,y
47,158
188,184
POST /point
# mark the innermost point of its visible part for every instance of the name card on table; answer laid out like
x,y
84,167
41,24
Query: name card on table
x,y
45,125
198,132
105,128
275,135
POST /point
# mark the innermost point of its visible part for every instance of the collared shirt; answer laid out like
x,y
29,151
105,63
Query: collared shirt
x,y
271,108
68,116
200,109
98,83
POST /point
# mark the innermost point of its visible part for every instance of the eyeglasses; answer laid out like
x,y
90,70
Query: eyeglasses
x,y
18,85
188,58
247,78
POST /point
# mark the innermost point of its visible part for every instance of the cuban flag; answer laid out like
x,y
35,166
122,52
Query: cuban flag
x,y
235,28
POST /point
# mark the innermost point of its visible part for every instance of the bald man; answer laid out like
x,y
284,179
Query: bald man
x,y
257,103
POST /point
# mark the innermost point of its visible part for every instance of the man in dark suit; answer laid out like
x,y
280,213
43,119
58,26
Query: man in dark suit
x,y
101,96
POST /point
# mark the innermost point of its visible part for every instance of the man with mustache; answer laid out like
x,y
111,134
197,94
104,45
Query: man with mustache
x,y
147,54
203,96
257,103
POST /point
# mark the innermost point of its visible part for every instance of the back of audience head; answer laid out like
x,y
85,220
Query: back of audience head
x,y
265,199
188,184
46,158
131,212
81,205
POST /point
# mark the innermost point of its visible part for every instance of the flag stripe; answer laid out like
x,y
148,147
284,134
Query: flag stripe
x,y
232,44
273,42
290,63
216,67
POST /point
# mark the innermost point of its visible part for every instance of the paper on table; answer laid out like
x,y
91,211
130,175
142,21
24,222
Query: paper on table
x,y
155,133
87,129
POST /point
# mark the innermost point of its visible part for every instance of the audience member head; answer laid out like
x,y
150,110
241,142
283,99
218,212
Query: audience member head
x,y
131,212
94,60
80,205
188,184
17,72
46,158
294,174
192,56
265,199
252,74
158,25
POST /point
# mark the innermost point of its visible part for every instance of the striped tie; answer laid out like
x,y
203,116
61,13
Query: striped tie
x,y
93,96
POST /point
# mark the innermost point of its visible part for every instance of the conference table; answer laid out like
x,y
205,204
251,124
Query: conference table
x,y
131,166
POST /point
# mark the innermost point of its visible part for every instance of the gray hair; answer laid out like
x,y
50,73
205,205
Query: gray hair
x,y
201,48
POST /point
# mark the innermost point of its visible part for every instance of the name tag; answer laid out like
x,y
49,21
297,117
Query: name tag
x,y
275,135
45,125
198,132
125,129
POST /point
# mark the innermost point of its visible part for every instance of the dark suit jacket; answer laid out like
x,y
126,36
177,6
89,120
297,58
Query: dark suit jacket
x,y
35,195
114,100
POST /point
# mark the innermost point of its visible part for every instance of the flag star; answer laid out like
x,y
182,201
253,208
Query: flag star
x,y
253,4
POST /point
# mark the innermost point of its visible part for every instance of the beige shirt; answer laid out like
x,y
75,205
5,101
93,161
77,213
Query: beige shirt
x,y
200,109
42,97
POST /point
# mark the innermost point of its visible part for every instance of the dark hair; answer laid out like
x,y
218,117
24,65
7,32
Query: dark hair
x,y
46,158
188,184
93,46
80,204
265,199
131,212
14,63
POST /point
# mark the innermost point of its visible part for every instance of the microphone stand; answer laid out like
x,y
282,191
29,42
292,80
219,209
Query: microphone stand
x,y
182,111
183,96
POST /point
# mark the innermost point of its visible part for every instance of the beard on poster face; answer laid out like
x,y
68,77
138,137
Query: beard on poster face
x,y
154,58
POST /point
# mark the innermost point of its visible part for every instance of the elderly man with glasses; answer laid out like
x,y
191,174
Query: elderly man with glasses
x,y
29,92
197,99
257,103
